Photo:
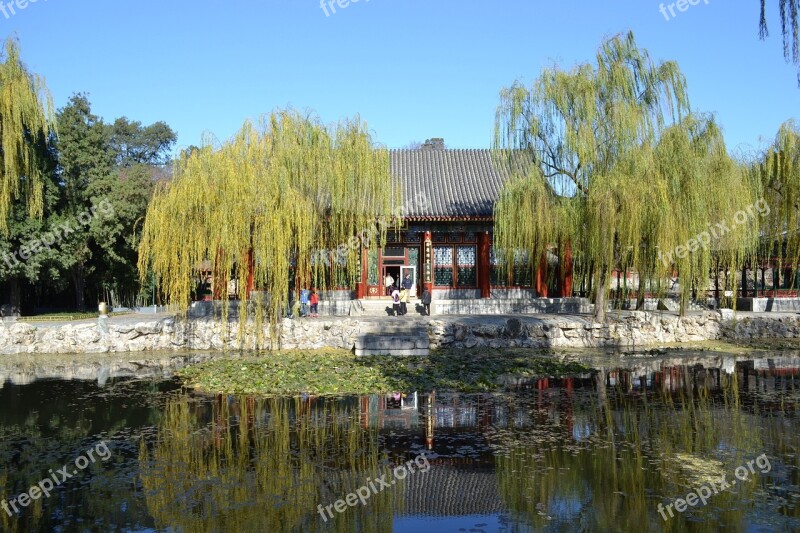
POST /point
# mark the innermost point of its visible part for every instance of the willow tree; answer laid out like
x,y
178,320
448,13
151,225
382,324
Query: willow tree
x,y
622,170
778,172
26,119
281,203
584,129
701,209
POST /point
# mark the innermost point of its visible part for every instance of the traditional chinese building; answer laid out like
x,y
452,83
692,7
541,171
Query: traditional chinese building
x,y
445,242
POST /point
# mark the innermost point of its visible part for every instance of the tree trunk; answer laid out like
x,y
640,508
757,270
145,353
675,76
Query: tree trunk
x,y
682,301
78,284
640,292
744,282
600,382
603,281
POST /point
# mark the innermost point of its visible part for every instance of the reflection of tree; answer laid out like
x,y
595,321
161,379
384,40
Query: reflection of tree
x,y
38,434
605,465
262,465
43,438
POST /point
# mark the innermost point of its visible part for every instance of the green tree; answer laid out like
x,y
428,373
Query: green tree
x,y
129,191
134,144
84,161
108,172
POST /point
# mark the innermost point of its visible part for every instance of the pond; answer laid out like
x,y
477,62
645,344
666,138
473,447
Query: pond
x,y
683,443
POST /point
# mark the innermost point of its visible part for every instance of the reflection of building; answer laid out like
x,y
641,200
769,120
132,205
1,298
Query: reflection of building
x,y
434,415
415,409
777,366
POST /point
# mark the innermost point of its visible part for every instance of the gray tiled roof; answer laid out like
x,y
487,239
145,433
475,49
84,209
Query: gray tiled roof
x,y
448,183
446,490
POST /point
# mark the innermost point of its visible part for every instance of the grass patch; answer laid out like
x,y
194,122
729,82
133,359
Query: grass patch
x,y
338,372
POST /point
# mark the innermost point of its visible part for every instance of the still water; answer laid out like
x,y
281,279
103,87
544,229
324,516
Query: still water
x,y
598,452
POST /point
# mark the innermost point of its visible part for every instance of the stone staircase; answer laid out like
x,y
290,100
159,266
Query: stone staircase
x,y
382,308
394,336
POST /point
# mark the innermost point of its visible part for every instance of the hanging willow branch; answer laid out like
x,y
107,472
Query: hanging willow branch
x,y
26,118
625,174
788,10
281,202
778,172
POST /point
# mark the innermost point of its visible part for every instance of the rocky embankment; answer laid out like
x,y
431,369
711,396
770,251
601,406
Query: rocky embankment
x,y
628,329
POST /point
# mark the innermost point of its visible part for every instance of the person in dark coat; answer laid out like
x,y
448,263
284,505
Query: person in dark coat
x,y
426,301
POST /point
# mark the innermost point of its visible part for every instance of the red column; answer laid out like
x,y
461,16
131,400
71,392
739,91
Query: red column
x,y
427,261
484,264
566,272
541,277
361,286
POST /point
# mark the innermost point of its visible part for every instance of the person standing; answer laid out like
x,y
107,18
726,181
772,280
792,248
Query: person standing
x,y
426,301
314,303
404,301
304,294
396,302
389,283
407,283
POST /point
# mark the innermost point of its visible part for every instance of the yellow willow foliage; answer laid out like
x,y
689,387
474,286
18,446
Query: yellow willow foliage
x,y
26,117
625,174
263,465
708,206
291,192
778,172
539,219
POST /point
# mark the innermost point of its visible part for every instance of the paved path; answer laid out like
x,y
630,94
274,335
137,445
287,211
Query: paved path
x,y
135,318
128,318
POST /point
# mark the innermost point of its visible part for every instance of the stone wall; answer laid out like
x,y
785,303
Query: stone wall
x,y
630,329
627,329
768,305
512,306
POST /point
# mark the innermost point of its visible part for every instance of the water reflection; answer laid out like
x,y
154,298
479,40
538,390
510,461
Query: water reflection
x,y
596,452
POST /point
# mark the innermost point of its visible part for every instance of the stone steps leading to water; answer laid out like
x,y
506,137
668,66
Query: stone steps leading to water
x,y
383,308
395,337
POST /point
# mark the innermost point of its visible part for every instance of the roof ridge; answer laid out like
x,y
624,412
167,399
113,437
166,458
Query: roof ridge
x,y
440,150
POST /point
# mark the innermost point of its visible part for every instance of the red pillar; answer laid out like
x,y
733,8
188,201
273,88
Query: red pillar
x,y
361,286
566,272
427,260
484,264
541,277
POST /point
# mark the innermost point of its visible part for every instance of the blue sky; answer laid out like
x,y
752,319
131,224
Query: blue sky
x,y
413,69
